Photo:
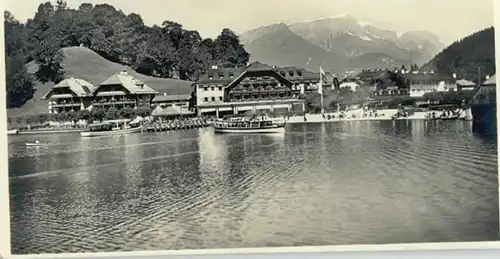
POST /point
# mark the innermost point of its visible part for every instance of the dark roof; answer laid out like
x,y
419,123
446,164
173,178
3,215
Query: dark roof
x,y
176,97
223,75
371,74
426,76
220,75
297,74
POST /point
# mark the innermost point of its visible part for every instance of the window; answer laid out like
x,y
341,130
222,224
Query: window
x,y
205,88
220,98
220,88
212,88
206,99
213,99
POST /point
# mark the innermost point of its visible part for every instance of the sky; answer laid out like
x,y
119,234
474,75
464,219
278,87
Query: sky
x,y
450,20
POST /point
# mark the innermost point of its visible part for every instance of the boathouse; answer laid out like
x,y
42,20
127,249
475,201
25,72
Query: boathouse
x,y
165,100
172,112
71,94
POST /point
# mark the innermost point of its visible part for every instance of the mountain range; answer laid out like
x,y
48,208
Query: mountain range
x,y
339,43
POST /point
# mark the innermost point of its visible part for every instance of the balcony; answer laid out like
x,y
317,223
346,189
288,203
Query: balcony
x,y
113,102
66,104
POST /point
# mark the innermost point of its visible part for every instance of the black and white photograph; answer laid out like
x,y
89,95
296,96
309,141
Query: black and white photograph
x,y
190,125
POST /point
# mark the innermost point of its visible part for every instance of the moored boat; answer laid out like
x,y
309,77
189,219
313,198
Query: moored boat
x,y
108,128
12,131
35,144
251,126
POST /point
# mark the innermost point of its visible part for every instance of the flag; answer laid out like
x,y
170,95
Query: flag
x,y
321,75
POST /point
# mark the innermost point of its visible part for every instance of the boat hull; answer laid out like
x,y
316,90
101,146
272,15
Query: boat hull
x,y
33,145
250,131
109,133
12,132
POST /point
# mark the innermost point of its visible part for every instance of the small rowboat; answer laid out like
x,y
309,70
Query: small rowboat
x,y
35,144
12,131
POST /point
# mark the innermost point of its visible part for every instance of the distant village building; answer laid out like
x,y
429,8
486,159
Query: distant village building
x,y
256,88
384,83
71,94
422,82
352,83
465,85
122,90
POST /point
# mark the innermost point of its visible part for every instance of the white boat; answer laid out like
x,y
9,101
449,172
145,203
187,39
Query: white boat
x,y
248,126
35,144
109,128
12,131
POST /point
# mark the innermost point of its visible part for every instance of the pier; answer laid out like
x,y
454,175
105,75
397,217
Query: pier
x,y
170,125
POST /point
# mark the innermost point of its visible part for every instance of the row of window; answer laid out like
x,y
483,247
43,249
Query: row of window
x,y
212,99
212,88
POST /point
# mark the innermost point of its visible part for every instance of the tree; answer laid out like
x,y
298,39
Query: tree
x,y
111,114
144,111
127,113
98,114
19,84
168,50
465,56
84,115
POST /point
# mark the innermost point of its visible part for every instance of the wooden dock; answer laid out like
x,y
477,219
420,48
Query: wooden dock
x,y
175,125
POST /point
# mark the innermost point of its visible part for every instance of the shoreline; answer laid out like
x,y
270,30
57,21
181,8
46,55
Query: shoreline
x,y
386,116
34,132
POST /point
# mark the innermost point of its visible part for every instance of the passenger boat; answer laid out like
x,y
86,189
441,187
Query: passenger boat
x,y
248,126
108,128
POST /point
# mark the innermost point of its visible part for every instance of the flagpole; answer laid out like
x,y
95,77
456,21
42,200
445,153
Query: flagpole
x,y
321,88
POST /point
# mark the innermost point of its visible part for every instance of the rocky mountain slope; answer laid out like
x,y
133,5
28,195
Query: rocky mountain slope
x,y
355,44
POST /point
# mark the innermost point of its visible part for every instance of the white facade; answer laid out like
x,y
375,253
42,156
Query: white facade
x,y
209,94
352,85
418,90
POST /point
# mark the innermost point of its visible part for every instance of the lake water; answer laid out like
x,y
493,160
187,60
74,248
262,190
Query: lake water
x,y
319,184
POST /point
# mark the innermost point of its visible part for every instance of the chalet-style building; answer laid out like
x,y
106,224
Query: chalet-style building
x,y
166,100
122,90
384,83
255,88
71,94
352,83
422,82
304,81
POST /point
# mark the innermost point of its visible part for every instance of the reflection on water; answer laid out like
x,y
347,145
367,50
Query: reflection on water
x,y
319,184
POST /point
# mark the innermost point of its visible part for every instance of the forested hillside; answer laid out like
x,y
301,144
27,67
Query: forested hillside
x,y
465,56
167,51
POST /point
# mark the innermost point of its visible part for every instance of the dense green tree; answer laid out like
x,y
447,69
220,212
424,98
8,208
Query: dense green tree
x,y
466,56
144,111
84,115
98,114
19,83
168,50
111,114
126,113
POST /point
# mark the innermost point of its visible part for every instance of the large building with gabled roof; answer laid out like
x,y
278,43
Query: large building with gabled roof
x,y
71,94
257,87
122,90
